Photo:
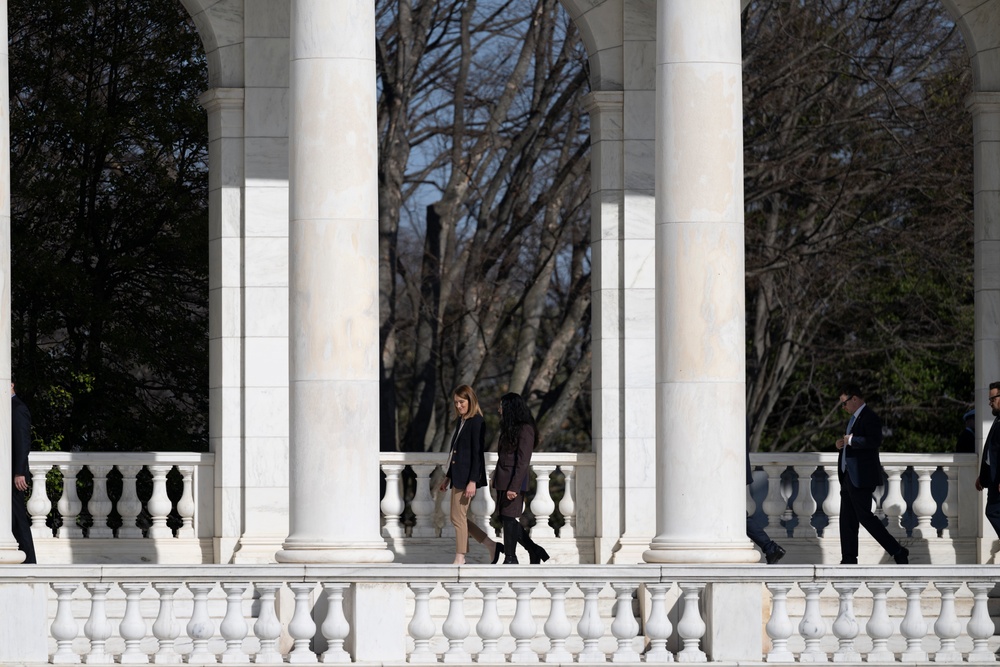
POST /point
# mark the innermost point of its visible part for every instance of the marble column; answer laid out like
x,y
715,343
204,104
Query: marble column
x,y
700,319
8,545
985,108
333,287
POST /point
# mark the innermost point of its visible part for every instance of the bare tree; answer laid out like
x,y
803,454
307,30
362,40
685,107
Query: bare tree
x,y
483,213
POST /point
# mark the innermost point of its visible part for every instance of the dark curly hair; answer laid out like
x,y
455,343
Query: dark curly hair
x,y
515,414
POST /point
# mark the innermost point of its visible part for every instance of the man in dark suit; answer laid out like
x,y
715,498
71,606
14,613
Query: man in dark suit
x,y
989,469
860,471
773,552
20,445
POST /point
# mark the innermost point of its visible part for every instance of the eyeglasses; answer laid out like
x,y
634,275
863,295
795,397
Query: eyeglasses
x,y
847,400
993,398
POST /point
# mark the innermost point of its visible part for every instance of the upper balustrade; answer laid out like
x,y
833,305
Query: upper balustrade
x,y
159,506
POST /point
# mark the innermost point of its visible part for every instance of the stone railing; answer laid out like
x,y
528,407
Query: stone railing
x,y
398,614
96,499
927,500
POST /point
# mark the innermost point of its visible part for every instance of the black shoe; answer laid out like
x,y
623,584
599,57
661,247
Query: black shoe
x,y
902,557
774,555
496,553
510,560
538,555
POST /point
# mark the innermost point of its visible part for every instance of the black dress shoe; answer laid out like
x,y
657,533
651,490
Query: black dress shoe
x,y
774,555
902,557
538,555
496,553
510,560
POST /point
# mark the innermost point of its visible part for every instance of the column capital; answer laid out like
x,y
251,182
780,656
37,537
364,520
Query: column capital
x,y
219,99
984,101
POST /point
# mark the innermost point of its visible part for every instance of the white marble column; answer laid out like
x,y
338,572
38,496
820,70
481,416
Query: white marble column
x,y
985,108
8,545
333,286
700,347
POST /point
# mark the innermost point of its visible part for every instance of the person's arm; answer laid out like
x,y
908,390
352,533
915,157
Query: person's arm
x,y
522,461
20,438
867,431
477,435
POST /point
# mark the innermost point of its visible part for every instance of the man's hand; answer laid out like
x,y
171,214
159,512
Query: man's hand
x,y
511,495
979,485
20,483
840,443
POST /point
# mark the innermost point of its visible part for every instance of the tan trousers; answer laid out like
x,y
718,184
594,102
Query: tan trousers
x,y
460,519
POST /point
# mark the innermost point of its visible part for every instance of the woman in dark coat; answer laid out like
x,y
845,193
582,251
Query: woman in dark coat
x,y
518,439
467,472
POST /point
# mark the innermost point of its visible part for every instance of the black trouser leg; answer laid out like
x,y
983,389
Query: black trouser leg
x,y
512,534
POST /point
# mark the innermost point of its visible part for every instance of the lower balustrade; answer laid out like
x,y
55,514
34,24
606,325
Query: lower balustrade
x,y
562,614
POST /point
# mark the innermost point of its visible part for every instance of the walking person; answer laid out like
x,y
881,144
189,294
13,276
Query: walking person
x,y
20,445
518,439
467,472
860,471
989,468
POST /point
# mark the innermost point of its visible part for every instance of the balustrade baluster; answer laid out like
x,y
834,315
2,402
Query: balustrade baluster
x,y
894,504
64,627
845,627
442,512
542,504
421,627
185,504
69,503
557,627
97,628
812,627
100,505
774,503
159,504
779,626
691,627
166,629
489,628
129,505
132,628
335,627
455,626
267,627
950,505
491,504
392,503
658,626
624,627
913,626
805,503
423,504
567,506
590,628
522,626
234,626
924,506
39,504
879,627
200,627
981,627
831,504
302,627
946,627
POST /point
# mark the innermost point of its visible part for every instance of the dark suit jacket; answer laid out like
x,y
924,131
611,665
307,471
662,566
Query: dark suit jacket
x,y
988,472
468,459
863,465
513,462
20,437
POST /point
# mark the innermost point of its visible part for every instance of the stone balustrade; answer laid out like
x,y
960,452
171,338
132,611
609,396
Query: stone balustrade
x,y
121,508
396,614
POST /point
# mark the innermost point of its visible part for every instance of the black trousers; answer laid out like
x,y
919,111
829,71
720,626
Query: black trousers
x,y
855,511
20,525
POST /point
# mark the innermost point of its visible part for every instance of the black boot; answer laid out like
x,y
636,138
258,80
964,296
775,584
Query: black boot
x,y
536,553
511,535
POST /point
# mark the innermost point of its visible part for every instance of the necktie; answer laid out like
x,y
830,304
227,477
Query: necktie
x,y
843,453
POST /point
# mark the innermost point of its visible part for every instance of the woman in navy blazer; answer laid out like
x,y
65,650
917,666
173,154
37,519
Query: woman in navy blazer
x,y
467,472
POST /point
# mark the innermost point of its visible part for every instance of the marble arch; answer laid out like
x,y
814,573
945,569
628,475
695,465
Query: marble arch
x,y
283,405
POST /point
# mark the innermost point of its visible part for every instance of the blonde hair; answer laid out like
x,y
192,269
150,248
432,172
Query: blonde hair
x,y
469,394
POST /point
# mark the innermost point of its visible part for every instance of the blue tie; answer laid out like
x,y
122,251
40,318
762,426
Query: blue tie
x,y
843,454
